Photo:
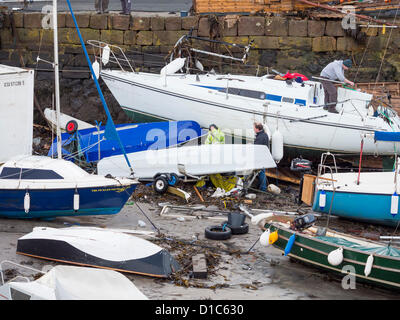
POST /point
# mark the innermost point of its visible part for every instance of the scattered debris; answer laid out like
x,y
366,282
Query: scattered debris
x,y
199,266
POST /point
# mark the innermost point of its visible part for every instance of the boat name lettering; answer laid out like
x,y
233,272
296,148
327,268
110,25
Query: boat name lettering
x,y
14,84
120,189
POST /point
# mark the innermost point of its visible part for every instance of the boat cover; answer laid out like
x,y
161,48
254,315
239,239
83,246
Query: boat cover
x,y
387,136
382,251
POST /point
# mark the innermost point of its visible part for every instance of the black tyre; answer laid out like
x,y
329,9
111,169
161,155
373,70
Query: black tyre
x,y
160,185
243,229
218,233
71,127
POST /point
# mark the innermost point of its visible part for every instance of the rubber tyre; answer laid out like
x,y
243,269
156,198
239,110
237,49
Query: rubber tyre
x,y
160,185
243,229
217,233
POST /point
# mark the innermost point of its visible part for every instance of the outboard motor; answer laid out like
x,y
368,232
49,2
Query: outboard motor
x,y
303,222
299,164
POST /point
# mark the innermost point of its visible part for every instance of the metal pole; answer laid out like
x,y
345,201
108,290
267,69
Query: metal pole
x,y
56,79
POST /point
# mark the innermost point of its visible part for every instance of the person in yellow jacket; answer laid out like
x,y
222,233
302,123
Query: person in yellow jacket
x,y
215,135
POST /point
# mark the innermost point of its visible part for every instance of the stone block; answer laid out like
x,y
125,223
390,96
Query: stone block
x,y
323,44
173,23
157,23
346,44
298,28
33,20
120,22
228,27
68,36
18,19
90,34
251,26
190,22
28,35
370,32
316,28
264,42
204,28
83,20
140,23
334,29
98,21
166,38
5,37
238,40
130,37
276,26
144,38
61,20
287,43
112,36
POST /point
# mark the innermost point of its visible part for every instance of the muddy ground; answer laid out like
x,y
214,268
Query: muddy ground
x,y
234,271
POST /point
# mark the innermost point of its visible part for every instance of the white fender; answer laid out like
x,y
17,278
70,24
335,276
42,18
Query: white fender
x,y
335,257
394,204
264,238
27,202
173,66
255,220
76,201
96,69
368,265
199,65
105,57
277,146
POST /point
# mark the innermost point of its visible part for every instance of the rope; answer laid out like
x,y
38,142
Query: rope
x,y
359,165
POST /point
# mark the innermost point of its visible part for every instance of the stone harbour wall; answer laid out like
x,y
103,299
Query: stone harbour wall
x,y
282,43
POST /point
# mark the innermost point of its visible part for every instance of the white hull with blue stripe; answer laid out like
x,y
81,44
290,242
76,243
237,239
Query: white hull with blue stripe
x,y
235,102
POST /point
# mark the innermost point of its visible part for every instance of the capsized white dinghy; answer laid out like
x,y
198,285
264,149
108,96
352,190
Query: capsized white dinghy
x,y
98,248
195,160
73,283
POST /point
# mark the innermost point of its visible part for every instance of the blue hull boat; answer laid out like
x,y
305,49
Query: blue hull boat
x,y
41,187
371,197
90,145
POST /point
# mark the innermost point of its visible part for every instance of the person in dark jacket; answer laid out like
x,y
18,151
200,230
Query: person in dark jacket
x,y
262,139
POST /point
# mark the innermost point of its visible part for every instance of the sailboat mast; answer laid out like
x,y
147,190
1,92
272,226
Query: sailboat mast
x,y
56,79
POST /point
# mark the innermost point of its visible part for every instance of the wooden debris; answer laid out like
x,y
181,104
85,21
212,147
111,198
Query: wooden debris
x,y
179,192
198,193
199,266
282,174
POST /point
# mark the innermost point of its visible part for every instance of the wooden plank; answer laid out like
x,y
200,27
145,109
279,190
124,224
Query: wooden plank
x,y
307,194
199,266
281,175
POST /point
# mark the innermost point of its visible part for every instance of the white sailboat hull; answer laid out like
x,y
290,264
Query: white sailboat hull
x,y
181,97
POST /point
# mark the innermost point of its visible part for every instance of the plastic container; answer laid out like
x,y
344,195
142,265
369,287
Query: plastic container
x,y
236,219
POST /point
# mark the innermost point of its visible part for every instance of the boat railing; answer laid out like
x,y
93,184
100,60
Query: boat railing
x,y
324,169
106,52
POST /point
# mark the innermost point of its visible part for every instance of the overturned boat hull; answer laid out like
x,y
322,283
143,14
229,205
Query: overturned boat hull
x,y
98,248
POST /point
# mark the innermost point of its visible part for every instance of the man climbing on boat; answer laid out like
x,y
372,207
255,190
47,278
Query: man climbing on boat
x,y
332,72
262,139
215,135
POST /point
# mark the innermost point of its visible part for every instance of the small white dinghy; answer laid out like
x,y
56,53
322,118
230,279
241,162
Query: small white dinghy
x,y
194,160
73,283
94,247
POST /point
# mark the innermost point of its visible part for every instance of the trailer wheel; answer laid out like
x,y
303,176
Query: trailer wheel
x,y
160,185
218,232
71,127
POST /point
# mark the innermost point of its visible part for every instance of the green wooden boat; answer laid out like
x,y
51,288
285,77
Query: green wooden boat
x,y
384,271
